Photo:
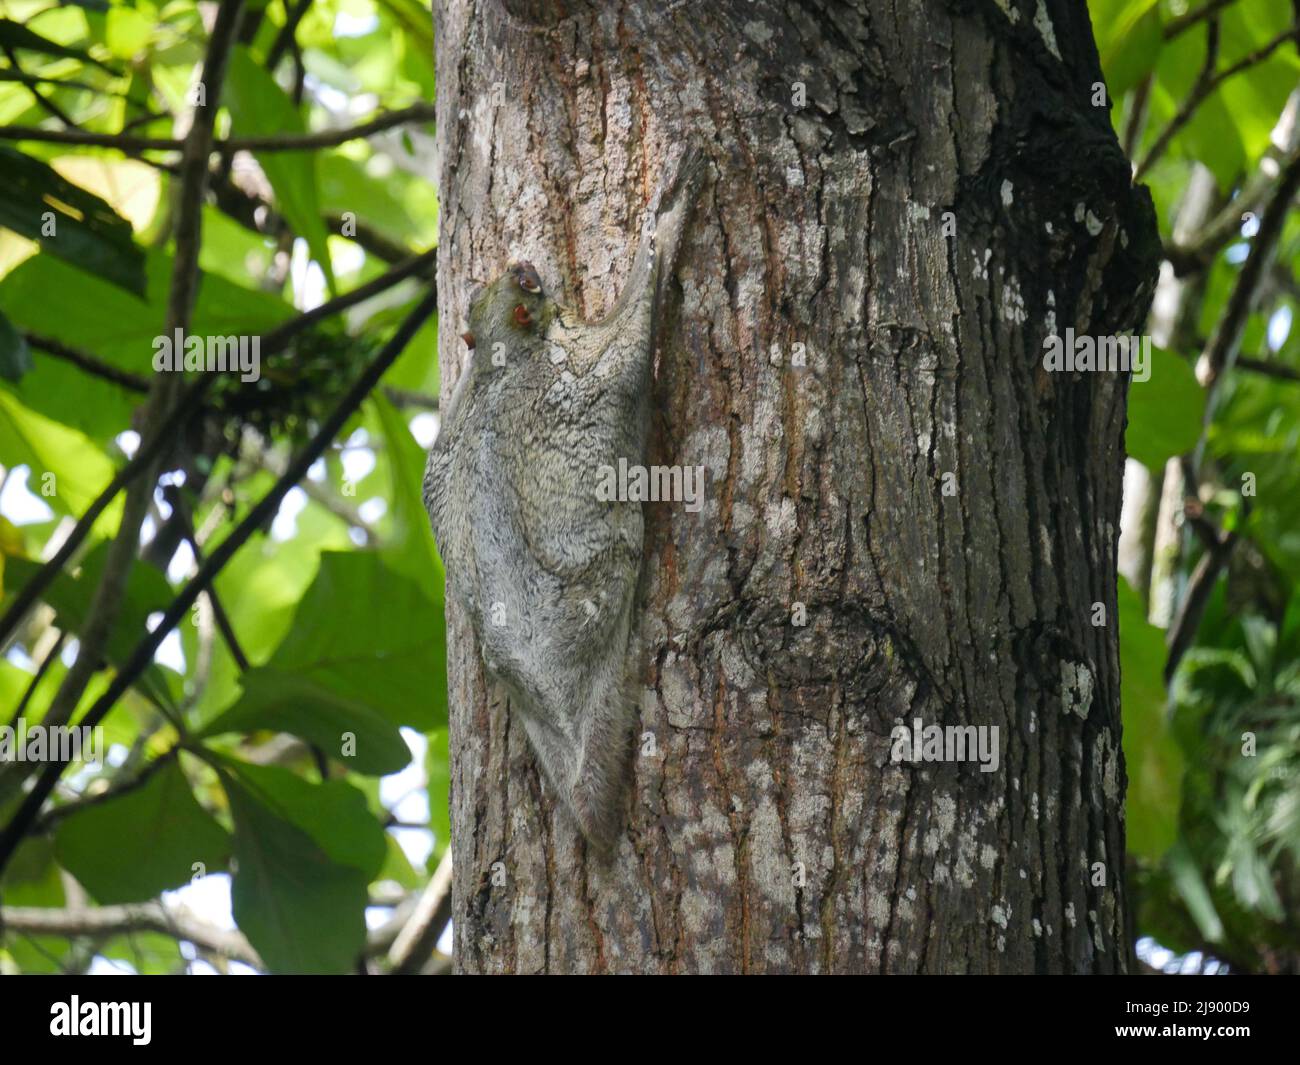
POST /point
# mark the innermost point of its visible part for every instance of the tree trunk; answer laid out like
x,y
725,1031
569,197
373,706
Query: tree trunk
x,y
906,516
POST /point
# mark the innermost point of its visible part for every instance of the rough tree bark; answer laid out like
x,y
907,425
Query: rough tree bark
x,y
767,829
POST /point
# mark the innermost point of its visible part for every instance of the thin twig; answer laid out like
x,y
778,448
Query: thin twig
x,y
1195,599
401,397
59,813
166,392
275,142
27,812
30,84
329,138
90,363
412,267
1185,22
133,917
285,37
180,508
1201,88
1222,347
152,446
1205,86
1268,368
41,670
272,343
416,941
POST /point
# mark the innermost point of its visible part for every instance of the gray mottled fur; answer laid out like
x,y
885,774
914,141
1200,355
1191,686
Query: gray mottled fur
x,y
546,572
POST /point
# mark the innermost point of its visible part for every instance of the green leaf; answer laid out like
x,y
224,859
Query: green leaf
x,y
258,106
305,855
87,232
146,592
1164,412
346,186
1128,40
127,31
334,814
16,35
15,356
437,768
80,470
1191,887
50,298
360,658
1152,756
305,707
130,848
411,549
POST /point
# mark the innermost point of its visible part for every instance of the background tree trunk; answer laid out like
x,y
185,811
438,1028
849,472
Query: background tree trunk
x,y
767,829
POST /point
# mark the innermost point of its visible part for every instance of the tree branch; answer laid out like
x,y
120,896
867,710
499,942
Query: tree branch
x,y
1268,368
1206,83
180,508
31,85
150,448
285,37
58,813
90,363
165,395
41,670
272,343
1183,630
1201,88
1222,348
134,917
275,142
416,941
265,509
1185,22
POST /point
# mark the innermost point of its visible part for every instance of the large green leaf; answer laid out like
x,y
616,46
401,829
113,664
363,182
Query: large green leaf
x,y
80,471
306,706
130,848
87,232
305,855
16,35
360,658
1151,754
52,299
1128,40
258,106
1164,412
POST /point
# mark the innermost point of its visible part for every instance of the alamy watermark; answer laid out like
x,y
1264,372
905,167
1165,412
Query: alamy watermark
x,y
77,1018
192,354
946,743
51,743
1087,354
629,483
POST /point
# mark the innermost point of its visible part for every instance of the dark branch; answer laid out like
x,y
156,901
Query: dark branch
x,y
90,363
26,815
1268,369
272,343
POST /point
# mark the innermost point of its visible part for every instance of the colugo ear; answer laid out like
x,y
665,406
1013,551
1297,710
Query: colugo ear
x,y
468,337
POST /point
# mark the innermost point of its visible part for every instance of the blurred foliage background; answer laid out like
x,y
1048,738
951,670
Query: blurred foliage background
x,y
229,828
